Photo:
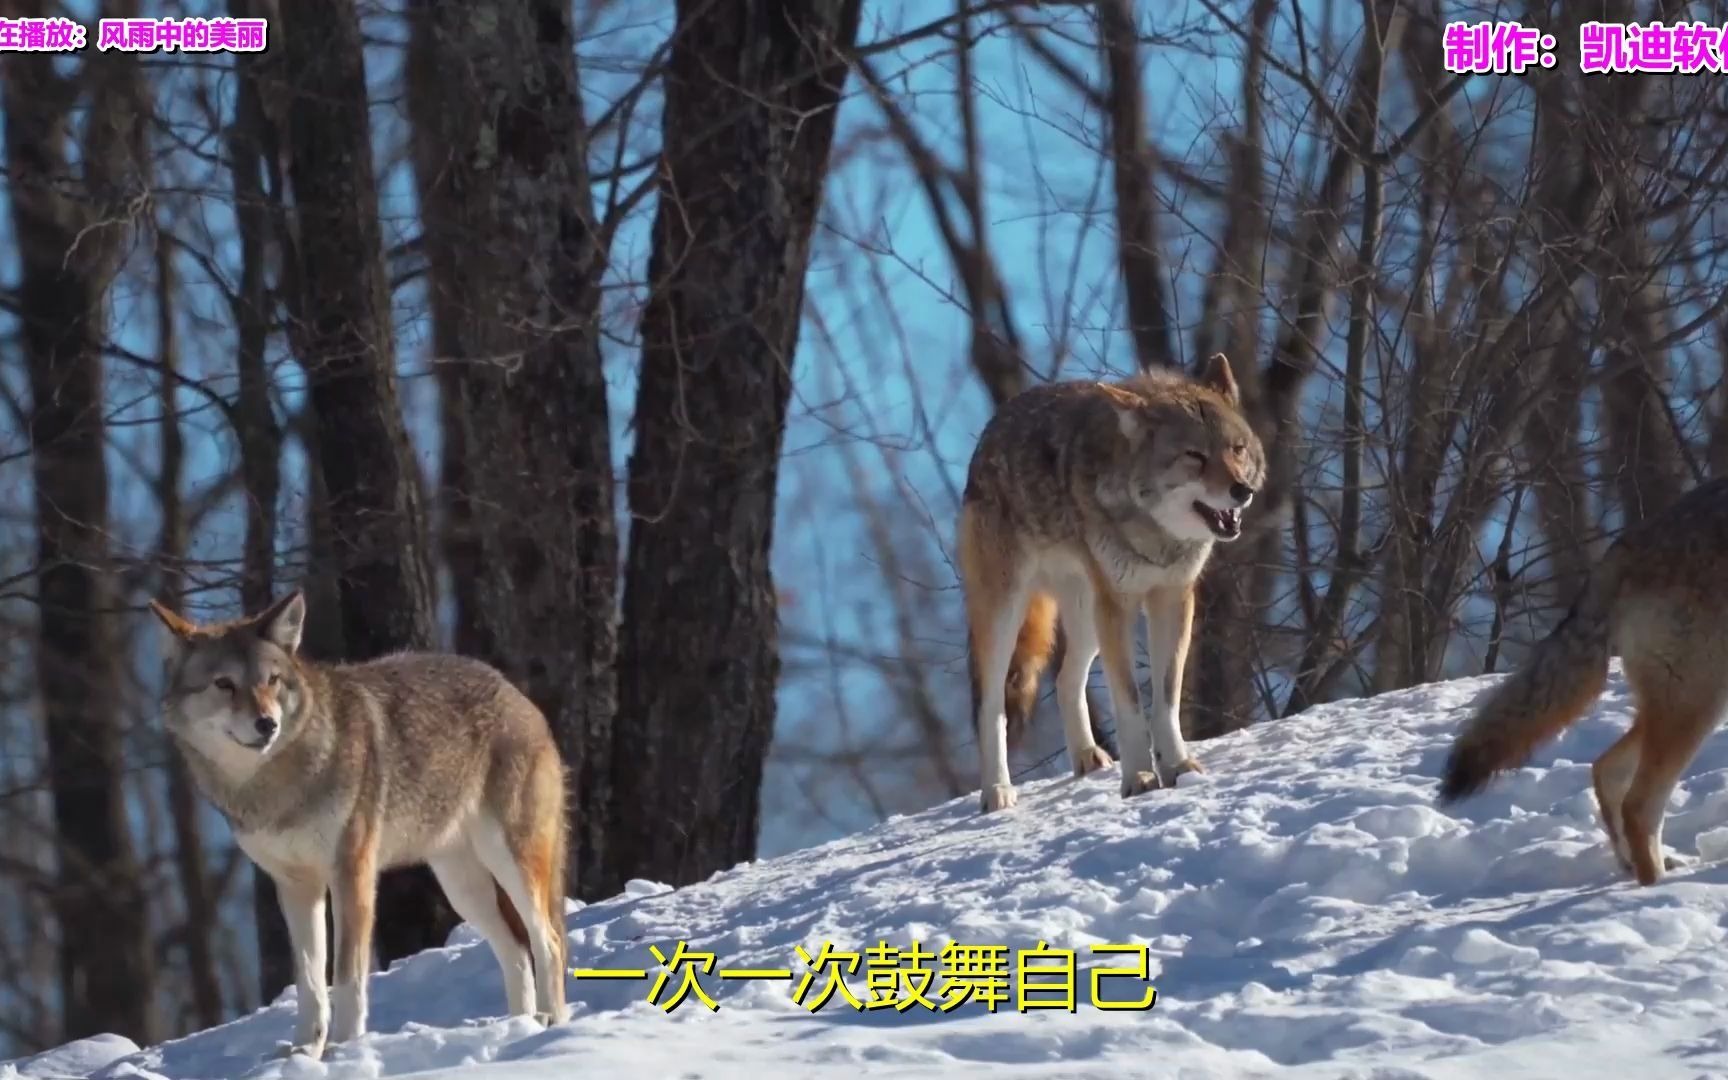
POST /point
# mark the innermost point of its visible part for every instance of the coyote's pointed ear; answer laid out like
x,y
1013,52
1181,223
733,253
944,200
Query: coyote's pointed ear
x,y
282,622
177,625
1218,376
178,628
178,631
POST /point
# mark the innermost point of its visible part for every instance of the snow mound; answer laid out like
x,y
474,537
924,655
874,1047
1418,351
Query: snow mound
x,y
1304,910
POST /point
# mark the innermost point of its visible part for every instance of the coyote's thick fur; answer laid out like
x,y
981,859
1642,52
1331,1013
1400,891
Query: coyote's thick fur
x,y
333,773
1092,501
1658,599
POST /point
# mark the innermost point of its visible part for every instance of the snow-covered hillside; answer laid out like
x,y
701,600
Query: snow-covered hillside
x,y
1305,909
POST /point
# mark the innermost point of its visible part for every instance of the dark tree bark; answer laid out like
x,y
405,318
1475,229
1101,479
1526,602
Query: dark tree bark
x,y
184,806
1645,458
70,242
251,143
342,314
458,538
1230,313
751,91
339,313
1231,303
1554,454
515,260
1134,164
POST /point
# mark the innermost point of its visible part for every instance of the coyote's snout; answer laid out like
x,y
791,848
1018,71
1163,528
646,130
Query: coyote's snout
x,y
332,773
1094,501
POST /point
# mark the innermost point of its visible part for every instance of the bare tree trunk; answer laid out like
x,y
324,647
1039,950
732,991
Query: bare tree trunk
x,y
1230,306
69,239
1224,686
751,92
458,540
341,324
1646,459
1716,445
251,143
1132,157
1232,299
1551,448
1349,563
515,261
184,804
326,633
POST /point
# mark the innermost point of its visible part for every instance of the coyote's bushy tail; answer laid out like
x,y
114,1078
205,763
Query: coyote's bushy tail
x,y
1032,649
1564,674
551,842
554,890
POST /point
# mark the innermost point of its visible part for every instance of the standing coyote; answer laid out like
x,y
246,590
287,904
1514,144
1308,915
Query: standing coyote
x,y
1657,600
333,773
1095,500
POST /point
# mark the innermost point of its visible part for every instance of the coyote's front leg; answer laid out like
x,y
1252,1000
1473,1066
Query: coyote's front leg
x,y
1084,754
303,910
1169,622
355,890
1115,626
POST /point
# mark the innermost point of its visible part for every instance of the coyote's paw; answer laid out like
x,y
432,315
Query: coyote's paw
x,y
1140,783
997,797
1186,765
552,1018
1624,861
313,1050
1647,867
1091,759
1676,861
1622,855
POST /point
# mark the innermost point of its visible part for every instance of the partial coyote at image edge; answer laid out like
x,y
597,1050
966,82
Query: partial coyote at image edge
x,y
1659,600
1090,502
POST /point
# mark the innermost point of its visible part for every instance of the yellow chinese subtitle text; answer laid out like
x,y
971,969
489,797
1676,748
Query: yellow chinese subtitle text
x,y
901,978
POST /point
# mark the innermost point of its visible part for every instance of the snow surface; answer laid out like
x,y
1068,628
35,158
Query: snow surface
x,y
1306,909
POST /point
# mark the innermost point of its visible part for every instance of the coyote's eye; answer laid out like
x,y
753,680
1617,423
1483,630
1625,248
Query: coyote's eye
x,y
223,683
275,678
1198,456
1239,449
